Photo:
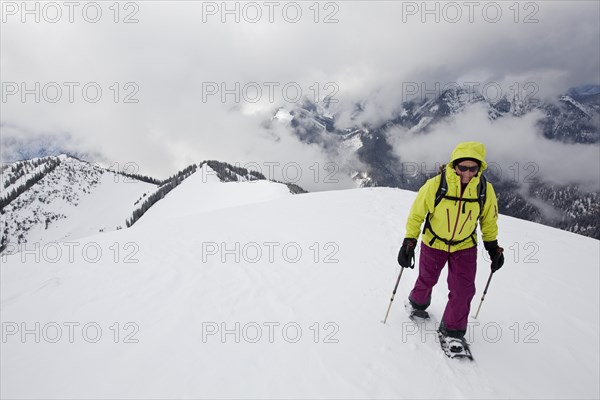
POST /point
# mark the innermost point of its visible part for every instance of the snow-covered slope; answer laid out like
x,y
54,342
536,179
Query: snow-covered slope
x,y
285,298
72,200
203,191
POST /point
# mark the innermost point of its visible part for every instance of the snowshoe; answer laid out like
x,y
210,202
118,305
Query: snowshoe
x,y
455,347
414,313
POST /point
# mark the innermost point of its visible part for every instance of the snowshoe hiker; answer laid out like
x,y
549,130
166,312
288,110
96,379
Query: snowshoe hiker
x,y
451,205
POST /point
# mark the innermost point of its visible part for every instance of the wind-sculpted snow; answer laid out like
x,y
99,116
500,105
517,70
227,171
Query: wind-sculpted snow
x,y
284,298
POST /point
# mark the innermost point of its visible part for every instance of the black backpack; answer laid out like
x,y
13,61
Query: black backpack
x,y
441,194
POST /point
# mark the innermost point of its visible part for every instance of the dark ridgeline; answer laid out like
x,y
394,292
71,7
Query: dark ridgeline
x,y
165,187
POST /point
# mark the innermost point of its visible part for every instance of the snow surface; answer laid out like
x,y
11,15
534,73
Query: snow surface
x,y
283,115
352,141
203,191
540,314
423,122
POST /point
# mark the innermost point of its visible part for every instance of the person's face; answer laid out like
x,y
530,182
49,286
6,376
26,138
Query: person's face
x,y
466,170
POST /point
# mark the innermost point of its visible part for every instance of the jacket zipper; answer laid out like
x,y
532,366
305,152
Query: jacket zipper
x,y
457,218
464,223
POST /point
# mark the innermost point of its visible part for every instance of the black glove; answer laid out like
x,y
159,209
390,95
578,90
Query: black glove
x,y
406,255
496,254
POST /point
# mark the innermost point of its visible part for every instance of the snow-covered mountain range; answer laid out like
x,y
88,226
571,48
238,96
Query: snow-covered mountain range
x,y
38,195
572,118
62,198
242,290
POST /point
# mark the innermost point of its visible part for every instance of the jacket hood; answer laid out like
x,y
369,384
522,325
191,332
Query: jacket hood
x,y
474,150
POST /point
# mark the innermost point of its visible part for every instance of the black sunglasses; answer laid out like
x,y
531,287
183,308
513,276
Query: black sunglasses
x,y
463,168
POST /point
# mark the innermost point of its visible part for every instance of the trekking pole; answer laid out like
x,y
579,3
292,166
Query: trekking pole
x,y
484,292
393,294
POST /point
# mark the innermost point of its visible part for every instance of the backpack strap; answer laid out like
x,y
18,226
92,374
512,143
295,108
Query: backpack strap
x,y
481,193
472,236
439,195
442,189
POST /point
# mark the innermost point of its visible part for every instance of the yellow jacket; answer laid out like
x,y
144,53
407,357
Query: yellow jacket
x,y
455,220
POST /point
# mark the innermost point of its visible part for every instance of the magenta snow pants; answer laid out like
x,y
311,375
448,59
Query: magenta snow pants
x,y
462,265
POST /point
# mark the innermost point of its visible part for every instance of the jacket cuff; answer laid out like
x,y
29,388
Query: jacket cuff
x,y
491,245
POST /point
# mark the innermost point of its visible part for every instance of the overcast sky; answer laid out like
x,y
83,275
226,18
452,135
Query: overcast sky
x,y
174,58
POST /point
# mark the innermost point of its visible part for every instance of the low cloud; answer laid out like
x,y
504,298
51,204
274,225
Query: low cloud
x,y
516,148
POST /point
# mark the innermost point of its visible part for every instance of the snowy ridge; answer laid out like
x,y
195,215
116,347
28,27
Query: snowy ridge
x,y
74,199
578,105
211,193
199,307
216,171
63,198
15,175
